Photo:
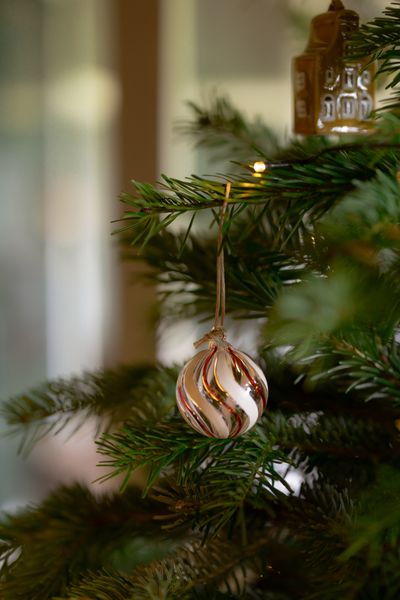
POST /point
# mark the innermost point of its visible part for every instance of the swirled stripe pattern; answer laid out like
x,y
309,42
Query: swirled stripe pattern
x,y
221,392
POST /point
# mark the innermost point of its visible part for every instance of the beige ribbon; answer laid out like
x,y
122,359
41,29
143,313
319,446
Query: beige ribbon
x,y
217,333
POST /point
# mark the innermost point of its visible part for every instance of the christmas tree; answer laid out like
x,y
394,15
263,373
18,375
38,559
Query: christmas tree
x,y
312,256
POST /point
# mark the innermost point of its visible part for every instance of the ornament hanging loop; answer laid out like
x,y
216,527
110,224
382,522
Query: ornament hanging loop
x,y
220,292
217,333
336,5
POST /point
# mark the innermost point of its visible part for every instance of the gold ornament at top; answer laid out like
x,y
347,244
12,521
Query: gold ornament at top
x,y
333,93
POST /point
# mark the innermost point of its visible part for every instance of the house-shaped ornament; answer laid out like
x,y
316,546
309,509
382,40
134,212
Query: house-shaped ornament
x,y
333,93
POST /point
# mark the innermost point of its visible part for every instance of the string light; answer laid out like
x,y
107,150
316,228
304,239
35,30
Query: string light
x,y
259,166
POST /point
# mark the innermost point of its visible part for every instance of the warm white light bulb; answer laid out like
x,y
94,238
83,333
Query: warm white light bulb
x,y
259,166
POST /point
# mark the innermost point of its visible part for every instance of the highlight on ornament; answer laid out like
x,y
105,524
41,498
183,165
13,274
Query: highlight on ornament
x,y
221,392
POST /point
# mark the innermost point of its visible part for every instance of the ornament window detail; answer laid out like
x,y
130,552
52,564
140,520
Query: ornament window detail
x,y
300,81
348,107
328,112
365,79
349,78
301,108
330,77
365,106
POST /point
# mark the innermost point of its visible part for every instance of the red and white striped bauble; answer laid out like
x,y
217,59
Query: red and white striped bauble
x,y
221,392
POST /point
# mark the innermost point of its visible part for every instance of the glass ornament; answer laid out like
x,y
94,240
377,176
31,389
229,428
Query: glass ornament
x,y
221,392
334,93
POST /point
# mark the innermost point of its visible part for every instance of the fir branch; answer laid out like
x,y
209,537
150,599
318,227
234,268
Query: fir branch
x,y
321,520
377,527
109,396
372,542
215,479
224,130
365,364
352,297
175,197
104,584
181,575
256,571
379,39
320,435
218,475
302,188
369,216
220,125
359,226
71,531
255,273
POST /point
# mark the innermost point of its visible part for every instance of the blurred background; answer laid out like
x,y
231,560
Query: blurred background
x,y
90,92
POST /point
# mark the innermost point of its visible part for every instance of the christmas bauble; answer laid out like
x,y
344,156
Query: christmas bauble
x,y
221,392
